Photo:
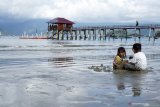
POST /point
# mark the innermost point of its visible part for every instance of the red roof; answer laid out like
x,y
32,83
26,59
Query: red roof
x,y
60,21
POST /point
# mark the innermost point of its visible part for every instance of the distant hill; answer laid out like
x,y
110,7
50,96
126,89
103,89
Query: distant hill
x,y
16,27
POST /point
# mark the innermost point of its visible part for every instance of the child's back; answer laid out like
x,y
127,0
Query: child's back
x,y
139,60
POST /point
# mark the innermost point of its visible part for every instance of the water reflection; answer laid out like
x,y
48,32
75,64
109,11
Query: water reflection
x,y
62,61
136,91
129,81
120,86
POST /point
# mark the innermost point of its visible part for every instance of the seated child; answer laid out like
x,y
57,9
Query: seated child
x,y
118,62
139,61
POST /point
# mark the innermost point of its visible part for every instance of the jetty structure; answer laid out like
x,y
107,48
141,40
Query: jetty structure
x,y
61,28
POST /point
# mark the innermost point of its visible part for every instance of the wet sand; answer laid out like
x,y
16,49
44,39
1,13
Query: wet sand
x,y
46,73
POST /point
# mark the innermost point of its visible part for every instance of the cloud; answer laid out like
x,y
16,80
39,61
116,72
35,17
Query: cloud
x,y
83,10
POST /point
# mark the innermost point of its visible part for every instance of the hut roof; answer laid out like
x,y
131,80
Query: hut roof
x,y
59,20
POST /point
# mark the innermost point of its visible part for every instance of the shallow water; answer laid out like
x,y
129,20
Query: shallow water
x,y
50,73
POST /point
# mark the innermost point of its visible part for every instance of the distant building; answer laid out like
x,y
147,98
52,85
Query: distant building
x,y
59,25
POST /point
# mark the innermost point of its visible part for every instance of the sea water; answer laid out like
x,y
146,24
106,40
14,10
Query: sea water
x,y
75,73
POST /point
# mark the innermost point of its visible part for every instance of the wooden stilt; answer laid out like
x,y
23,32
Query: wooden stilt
x,y
150,30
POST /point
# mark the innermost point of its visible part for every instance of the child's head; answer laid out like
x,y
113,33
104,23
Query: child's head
x,y
136,47
121,52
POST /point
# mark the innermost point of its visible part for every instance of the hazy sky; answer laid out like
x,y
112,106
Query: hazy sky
x,y
83,10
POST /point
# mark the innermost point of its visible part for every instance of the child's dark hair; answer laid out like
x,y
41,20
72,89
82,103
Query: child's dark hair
x,y
137,47
121,49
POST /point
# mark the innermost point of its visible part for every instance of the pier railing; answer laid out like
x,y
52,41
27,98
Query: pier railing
x,y
118,27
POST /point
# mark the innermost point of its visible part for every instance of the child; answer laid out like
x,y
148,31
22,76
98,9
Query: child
x,y
139,61
118,60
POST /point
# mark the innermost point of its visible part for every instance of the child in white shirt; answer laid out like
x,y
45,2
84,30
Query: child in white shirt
x,y
139,61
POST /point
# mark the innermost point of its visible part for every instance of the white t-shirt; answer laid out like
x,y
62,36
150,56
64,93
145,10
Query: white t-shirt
x,y
140,60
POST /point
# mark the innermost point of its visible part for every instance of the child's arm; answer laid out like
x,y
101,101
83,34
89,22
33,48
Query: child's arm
x,y
125,61
117,60
132,60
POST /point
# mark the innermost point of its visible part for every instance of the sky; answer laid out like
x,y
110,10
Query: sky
x,y
82,10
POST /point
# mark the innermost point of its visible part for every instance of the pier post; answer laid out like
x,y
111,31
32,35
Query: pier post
x,y
122,34
139,34
54,33
62,35
154,33
102,34
93,34
113,34
105,34
135,34
71,35
109,34
99,33
150,30
89,34
75,34
80,36
58,37
126,34
67,35
121,38
85,35
94,37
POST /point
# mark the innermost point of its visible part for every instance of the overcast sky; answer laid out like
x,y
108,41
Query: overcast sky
x,y
83,10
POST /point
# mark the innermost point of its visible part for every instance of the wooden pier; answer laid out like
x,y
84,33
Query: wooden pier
x,y
60,29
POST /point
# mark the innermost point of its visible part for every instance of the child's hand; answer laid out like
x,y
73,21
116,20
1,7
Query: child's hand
x,y
114,63
125,61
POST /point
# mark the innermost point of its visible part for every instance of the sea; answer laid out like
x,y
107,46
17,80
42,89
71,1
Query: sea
x,y
76,73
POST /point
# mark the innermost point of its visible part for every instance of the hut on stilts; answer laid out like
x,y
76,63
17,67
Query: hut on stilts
x,y
60,27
